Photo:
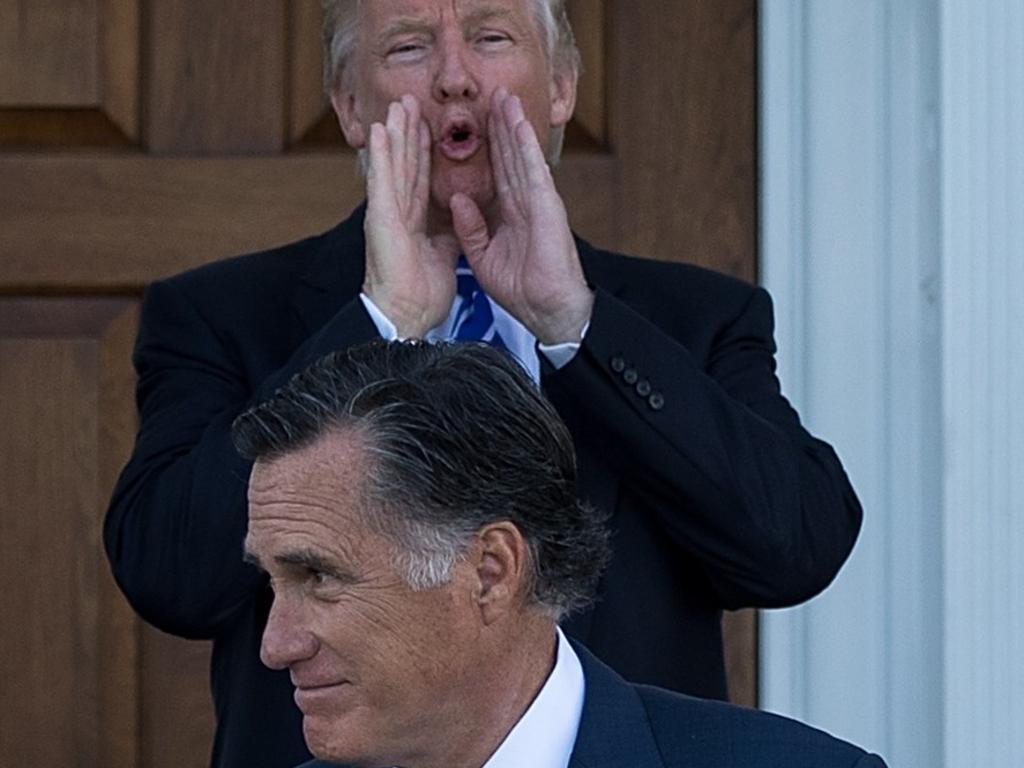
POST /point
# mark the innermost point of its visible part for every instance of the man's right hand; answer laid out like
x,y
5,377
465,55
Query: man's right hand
x,y
409,276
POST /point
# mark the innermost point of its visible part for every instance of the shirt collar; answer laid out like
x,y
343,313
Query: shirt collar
x,y
545,735
518,340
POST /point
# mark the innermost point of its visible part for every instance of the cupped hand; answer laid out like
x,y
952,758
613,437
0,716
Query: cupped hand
x,y
528,263
409,275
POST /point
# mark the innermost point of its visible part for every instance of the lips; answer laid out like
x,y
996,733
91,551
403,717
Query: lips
x,y
308,697
460,138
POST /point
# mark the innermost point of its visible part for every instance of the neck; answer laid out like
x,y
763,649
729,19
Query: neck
x,y
507,689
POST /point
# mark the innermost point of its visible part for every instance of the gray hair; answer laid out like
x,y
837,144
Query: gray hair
x,y
341,27
456,436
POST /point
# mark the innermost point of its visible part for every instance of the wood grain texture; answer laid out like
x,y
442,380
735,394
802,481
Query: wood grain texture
x,y
739,633
177,711
91,97
215,76
57,588
40,130
119,672
588,19
108,223
684,129
307,102
49,53
120,52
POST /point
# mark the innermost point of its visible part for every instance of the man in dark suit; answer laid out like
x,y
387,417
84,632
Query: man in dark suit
x,y
718,497
415,508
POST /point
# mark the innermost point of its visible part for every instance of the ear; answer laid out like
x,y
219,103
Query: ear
x,y
500,559
343,99
563,95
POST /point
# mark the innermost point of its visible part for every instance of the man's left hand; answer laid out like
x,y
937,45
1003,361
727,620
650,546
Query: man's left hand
x,y
529,265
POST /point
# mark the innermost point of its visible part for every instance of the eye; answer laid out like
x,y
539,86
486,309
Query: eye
x,y
319,578
493,39
407,49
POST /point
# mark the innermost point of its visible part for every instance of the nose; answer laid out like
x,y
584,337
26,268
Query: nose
x,y
286,641
454,78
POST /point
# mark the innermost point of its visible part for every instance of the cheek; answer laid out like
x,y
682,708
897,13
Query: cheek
x,y
391,85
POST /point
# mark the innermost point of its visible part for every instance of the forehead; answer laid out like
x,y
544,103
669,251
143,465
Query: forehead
x,y
377,14
313,494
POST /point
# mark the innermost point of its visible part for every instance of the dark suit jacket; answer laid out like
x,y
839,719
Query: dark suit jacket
x,y
718,497
639,726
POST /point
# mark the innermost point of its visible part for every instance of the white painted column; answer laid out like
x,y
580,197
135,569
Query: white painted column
x,y
893,241
983,376
850,250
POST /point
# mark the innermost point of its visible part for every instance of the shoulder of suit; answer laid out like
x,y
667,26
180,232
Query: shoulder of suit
x,y
673,294
272,263
606,265
728,735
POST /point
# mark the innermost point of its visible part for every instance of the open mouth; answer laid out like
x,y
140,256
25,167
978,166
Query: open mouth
x,y
460,140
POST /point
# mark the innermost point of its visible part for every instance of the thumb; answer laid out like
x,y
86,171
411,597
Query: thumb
x,y
470,227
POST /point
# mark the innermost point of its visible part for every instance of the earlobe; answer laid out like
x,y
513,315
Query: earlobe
x,y
344,103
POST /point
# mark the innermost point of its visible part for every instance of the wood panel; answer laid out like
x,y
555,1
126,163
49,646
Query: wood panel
x,y
176,714
683,128
739,633
120,55
69,73
119,222
308,104
589,22
215,76
70,670
33,71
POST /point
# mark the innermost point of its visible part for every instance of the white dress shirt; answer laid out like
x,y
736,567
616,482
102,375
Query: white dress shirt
x,y
519,341
545,735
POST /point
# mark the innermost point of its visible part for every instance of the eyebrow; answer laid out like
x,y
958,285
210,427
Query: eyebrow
x,y
474,17
307,558
402,26
252,559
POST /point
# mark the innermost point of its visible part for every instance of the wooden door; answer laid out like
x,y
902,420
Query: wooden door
x,y
138,139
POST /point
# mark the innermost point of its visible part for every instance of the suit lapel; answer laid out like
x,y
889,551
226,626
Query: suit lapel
x,y
336,270
614,729
334,274
608,272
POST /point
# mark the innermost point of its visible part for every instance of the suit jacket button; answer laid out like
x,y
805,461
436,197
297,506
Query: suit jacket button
x,y
643,388
656,401
618,364
630,376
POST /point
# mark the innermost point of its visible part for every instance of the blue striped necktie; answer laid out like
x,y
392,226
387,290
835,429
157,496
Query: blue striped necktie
x,y
474,320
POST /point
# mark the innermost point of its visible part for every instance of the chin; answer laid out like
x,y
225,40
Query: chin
x,y
328,744
476,183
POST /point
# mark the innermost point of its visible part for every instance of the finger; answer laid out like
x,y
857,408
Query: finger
x,y
514,117
538,173
501,180
411,149
470,228
507,147
396,138
421,192
378,181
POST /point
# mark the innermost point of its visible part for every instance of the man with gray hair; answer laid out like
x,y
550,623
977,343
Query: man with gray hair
x,y
664,373
415,508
